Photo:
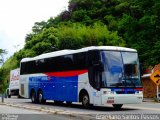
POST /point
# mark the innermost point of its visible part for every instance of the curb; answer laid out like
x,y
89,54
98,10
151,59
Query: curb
x,y
53,112
32,108
2,103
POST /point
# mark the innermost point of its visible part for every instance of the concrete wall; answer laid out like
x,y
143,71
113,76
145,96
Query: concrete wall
x,y
149,88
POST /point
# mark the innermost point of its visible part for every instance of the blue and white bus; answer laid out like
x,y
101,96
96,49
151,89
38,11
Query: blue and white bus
x,y
97,75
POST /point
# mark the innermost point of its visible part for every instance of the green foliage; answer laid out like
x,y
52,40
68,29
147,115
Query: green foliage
x,y
3,81
69,36
2,51
79,36
131,23
42,47
3,72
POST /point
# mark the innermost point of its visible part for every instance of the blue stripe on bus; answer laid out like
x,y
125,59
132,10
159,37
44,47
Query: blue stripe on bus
x,y
124,90
56,88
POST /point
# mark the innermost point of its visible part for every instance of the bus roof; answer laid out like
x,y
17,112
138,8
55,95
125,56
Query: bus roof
x,y
67,51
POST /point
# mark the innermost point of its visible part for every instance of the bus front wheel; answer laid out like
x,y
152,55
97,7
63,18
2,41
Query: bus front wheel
x,y
85,100
117,106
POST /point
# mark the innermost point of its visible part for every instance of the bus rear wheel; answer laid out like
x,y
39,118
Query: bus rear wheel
x,y
85,100
33,97
41,100
117,106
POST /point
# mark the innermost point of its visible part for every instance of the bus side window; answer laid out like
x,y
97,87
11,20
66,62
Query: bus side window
x,y
79,61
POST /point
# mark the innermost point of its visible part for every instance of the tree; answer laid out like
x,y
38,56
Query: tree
x,y
130,23
1,54
3,82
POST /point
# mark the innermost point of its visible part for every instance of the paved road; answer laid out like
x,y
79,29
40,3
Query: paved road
x,y
144,108
7,110
13,113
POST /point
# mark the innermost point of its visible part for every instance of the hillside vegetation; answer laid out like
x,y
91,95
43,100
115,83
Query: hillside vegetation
x,y
129,23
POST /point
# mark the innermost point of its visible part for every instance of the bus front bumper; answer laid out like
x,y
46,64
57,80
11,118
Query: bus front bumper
x,y
122,99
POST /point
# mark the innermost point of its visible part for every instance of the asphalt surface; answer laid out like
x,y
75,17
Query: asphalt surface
x,y
13,113
89,113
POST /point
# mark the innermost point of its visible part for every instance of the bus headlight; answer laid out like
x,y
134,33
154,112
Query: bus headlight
x,y
139,92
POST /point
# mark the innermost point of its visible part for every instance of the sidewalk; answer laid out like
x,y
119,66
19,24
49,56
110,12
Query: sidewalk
x,y
148,100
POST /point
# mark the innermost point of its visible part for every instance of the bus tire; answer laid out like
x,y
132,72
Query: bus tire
x,y
19,96
85,100
33,97
117,106
9,96
41,100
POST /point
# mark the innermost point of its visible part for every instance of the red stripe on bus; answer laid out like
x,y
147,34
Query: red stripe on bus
x,y
66,73
139,89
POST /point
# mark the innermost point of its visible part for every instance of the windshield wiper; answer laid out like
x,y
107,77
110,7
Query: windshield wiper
x,y
132,82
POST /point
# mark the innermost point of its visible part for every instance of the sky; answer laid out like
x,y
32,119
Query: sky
x,y
17,18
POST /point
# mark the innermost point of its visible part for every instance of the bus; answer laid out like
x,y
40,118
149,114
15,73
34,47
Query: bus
x,y
96,75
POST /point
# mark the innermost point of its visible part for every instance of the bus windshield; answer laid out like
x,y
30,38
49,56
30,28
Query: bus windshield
x,y
120,69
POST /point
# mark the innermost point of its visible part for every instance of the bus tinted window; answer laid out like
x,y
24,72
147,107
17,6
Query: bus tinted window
x,y
61,63
79,60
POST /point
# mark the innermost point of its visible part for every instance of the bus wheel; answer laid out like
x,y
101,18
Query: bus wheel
x,y
40,98
33,96
85,100
117,106
19,96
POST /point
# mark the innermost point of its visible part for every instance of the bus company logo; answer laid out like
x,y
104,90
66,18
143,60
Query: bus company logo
x,y
15,75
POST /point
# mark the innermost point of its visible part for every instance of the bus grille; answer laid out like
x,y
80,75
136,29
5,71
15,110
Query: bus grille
x,y
125,92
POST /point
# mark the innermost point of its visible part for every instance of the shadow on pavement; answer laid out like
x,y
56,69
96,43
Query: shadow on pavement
x,y
79,106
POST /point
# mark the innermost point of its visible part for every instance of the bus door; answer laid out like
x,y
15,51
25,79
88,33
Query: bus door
x,y
94,68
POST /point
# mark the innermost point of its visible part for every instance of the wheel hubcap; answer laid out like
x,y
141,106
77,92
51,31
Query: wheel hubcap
x,y
33,97
85,100
40,97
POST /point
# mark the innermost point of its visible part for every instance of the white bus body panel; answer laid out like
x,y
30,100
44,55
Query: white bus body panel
x,y
24,86
98,98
